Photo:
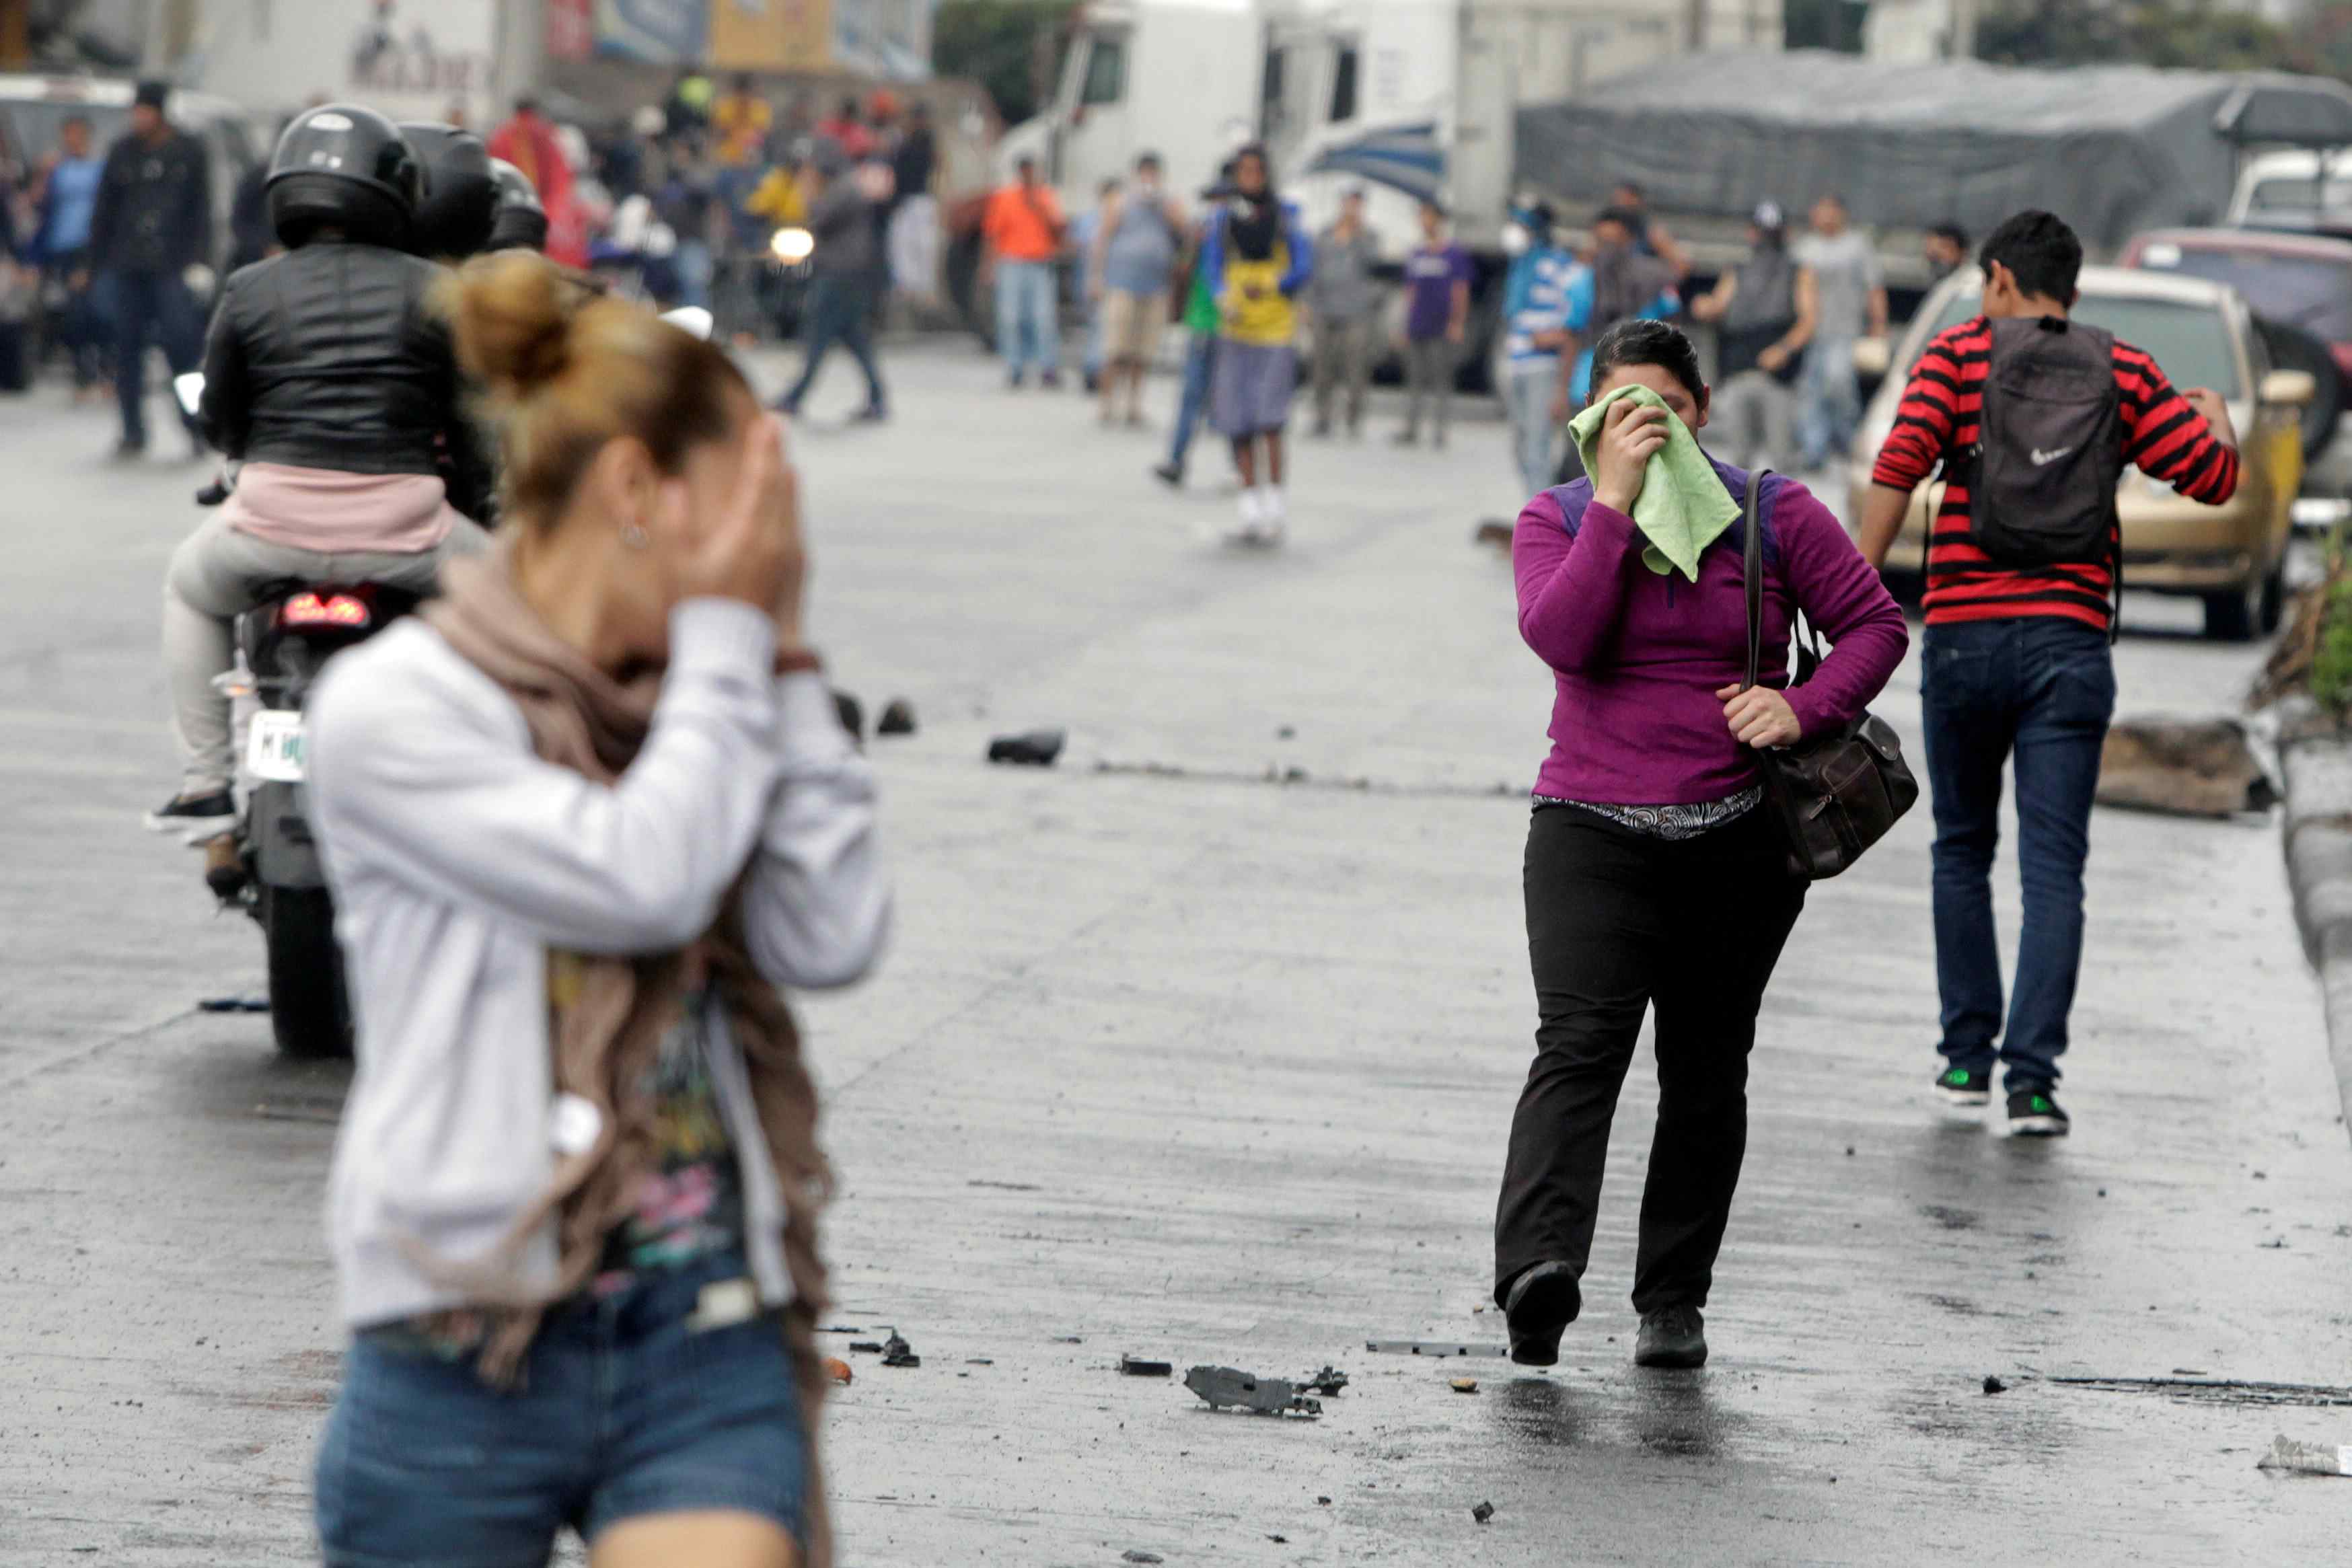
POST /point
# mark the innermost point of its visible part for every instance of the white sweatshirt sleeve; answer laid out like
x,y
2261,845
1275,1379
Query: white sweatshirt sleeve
x,y
427,786
817,906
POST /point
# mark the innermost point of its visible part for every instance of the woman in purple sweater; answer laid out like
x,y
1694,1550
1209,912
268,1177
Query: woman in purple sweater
x,y
1653,881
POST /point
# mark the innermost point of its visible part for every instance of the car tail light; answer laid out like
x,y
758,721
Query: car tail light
x,y
344,610
2342,356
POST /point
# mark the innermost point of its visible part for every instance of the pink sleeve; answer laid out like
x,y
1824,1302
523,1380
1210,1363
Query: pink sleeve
x,y
1847,606
1571,589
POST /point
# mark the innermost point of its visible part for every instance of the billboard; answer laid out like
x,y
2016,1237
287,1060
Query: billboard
x,y
771,35
655,32
414,59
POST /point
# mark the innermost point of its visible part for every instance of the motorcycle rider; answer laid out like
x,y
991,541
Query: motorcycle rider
x,y
330,375
461,193
520,223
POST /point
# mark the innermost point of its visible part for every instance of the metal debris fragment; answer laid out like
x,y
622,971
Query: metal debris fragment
x,y
1439,1347
897,1352
1466,1385
2307,1458
1483,1512
1330,1380
1994,1385
1134,1368
1224,1387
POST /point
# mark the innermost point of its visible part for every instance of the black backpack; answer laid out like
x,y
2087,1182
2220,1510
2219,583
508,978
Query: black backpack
x,y
2050,445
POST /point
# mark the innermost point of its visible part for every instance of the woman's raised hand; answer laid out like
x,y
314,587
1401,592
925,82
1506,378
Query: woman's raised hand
x,y
1631,435
754,553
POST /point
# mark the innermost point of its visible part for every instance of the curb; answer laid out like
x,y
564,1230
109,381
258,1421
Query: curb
x,y
2317,760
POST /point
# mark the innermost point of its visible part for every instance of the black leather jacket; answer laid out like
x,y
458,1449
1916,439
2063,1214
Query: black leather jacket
x,y
329,357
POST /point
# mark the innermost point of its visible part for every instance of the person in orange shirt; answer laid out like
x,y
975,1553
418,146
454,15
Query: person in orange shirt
x,y
1025,231
741,121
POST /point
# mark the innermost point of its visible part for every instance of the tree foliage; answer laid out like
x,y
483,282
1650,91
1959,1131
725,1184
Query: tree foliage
x,y
2203,35
1009,46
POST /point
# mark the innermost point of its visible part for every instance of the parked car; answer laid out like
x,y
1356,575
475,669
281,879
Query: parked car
x,y
2232,555
2299,288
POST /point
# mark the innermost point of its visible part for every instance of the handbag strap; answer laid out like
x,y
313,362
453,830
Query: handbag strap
x,y
1752,570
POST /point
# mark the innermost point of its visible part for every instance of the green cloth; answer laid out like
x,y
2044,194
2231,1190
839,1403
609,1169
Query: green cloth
x,y
1201,314
1683,506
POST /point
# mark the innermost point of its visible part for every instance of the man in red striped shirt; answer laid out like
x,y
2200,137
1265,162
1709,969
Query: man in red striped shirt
x,y
2016,664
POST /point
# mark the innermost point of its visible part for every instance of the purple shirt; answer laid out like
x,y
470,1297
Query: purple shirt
x,y
1637,658
1430,275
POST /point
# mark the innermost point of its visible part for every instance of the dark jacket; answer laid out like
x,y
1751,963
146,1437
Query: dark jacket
x,y
154,206
842,220
331,357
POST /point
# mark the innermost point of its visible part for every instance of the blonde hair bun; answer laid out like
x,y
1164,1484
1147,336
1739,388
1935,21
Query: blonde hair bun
x,y
512,316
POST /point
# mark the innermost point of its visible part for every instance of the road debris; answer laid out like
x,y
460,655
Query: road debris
x,y
899,718
1131,1367
869,1346
979,1361
1493,531
897,1352
1483,1512
842,1328
2198,768
1324,1502
1329,1381
2307,1459
1037,749
1994,1385
1439,1347
1131,1555
852,714
2227,1390
1224,1387
1466,1385
836,1369
247,1004
1069,1339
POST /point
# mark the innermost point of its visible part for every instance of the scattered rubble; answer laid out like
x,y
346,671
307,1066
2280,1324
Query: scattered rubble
x,y
1493,531
1037,749
1995,1385
1327,1381
1440,1347
1131,1555
869,1346
836,1369
852,714
899,718
1483,1512
2183,768
897,1352
1466,1385
1224,1387
1131,1367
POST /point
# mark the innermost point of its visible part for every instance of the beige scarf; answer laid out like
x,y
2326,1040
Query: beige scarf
x,y
609,1015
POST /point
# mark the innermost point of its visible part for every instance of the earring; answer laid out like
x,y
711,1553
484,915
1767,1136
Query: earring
x,y
633,536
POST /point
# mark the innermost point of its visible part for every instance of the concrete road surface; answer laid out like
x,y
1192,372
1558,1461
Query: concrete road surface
x,y
1202,1047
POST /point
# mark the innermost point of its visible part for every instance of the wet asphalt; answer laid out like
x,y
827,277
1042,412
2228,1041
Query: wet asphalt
x,y
1173,1061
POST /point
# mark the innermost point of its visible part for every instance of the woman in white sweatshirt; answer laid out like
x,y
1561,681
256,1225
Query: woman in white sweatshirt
x,y
584,821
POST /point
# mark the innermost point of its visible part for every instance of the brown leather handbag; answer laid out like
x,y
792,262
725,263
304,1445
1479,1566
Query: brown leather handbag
x,y
1833,794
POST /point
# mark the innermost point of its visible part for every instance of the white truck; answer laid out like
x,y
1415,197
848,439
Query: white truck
x,y
1402,98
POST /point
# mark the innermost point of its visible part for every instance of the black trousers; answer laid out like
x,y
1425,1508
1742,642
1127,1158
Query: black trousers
x,y
1618,924
840,310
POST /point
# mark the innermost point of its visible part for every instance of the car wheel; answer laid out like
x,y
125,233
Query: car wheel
x,y
2273,607
2231,616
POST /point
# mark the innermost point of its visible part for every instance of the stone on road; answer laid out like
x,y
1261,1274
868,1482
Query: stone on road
x,y
1201,1046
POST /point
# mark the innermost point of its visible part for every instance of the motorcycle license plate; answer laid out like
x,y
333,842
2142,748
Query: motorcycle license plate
x,y
273,746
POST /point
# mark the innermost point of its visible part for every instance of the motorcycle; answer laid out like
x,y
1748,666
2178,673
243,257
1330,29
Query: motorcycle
x,y
268,866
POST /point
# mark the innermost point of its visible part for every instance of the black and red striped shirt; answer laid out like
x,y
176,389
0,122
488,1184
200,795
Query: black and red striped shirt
x,y
1938,423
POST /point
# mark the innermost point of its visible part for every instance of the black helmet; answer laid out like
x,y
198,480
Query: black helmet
x,y
521,220
347,168
453,222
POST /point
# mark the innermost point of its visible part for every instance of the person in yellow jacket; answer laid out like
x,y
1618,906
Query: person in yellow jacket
x,y
1257,256
779,197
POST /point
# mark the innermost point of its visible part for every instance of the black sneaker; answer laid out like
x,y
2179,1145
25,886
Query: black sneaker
x,y
2034,1114
197,817
1541,1302
1169,474
128,451
1014,381
872,414
1958,1086
1671,1336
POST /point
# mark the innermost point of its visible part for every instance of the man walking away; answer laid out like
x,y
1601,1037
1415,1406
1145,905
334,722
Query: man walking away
x,y
1765,308
1024,230
150,232
68,202
1535,307
841,284
1134,256
2016,663
1852,297
1437,315
1343,305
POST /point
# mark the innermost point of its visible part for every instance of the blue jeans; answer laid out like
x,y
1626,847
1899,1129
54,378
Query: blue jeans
x,y
2041,690
1028,332
1833,403
624,1410
696,268
840,310
150,307
1200,364
1534,436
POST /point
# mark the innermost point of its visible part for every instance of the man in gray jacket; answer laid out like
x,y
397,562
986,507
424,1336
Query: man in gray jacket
x,y
845,271
1343,302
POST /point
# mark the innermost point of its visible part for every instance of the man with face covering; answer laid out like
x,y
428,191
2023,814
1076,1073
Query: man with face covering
x,y
1623,284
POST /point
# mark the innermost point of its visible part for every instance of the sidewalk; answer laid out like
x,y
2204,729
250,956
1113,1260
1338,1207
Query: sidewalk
x,y
1206,1069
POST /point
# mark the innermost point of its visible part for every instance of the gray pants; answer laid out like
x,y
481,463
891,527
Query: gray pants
x,y
1429,368
1534,437
212,582
1758,418
1343,369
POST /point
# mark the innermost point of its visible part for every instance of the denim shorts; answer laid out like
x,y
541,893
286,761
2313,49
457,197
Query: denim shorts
x,y
622,1410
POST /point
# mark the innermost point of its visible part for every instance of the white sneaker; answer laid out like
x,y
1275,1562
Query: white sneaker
x,y
1253,524
1273,519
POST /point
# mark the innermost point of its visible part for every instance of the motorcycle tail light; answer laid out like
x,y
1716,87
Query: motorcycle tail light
x,y
344,610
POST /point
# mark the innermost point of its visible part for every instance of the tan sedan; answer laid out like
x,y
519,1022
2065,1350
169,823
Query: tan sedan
x,y
2231,556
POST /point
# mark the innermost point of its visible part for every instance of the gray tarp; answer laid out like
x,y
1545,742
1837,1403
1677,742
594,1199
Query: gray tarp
x,y
2112,149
